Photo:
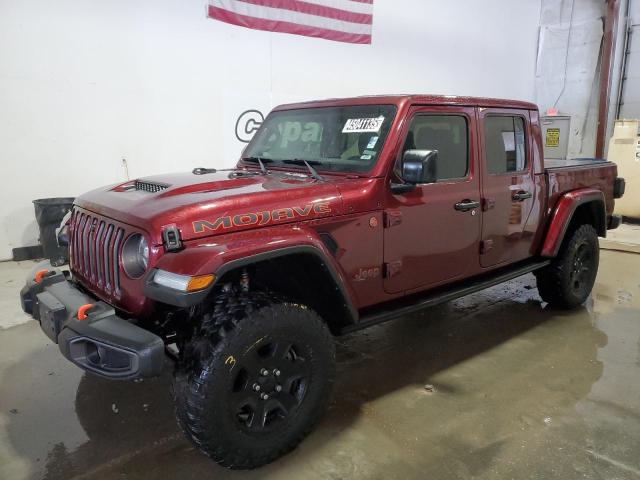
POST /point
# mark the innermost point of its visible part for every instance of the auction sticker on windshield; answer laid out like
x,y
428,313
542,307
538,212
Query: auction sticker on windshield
x,y
360,125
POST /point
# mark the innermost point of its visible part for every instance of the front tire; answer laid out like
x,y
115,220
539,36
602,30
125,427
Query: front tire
x,y
567,282
261,383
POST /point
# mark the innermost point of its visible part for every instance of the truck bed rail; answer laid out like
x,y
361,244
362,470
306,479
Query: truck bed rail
x,y
550,164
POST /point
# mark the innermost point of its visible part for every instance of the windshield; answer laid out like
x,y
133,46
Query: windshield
x,y
344,139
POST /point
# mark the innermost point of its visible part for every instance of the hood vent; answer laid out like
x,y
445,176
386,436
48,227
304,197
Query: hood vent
x,y
151,187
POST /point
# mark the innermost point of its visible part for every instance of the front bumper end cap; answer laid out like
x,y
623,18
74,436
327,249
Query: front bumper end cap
x,y
103,343
114,348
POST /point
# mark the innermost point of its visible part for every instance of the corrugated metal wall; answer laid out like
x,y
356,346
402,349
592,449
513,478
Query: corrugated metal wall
x,y
630,93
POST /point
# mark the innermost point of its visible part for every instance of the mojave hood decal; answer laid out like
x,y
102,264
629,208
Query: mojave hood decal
x,y
265,217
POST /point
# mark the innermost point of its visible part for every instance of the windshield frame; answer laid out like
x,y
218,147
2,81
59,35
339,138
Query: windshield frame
x,y
319,163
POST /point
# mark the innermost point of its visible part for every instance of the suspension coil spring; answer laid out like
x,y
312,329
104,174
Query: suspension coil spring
x,y
244,281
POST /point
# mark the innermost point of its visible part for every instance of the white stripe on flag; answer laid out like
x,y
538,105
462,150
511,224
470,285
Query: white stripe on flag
x,y
347,5
280,15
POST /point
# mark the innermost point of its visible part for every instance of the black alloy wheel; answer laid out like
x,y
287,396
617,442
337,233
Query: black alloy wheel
x,y
269,385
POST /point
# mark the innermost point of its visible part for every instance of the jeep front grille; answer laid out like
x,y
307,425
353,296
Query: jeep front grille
x,y
94,251
150,187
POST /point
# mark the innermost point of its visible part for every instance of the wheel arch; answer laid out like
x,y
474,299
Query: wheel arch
x,y
575,208
296,251
301,273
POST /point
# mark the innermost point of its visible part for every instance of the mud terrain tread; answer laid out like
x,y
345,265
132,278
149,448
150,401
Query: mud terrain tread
x,y
236,313
552,280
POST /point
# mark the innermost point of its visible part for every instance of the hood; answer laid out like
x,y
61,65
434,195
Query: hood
x,y
214,203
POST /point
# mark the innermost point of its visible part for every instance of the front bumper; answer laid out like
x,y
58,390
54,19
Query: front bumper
x,y
102,343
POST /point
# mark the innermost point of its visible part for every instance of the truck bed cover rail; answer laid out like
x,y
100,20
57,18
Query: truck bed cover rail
x,y
574,162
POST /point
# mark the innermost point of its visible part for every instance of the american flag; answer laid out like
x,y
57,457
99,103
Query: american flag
x,y
339,20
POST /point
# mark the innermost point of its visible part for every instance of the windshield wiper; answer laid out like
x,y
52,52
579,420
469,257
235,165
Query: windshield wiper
x,y
312,171
260,161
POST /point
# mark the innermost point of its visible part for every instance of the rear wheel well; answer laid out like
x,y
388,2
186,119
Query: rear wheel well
x,y
302,278
589,213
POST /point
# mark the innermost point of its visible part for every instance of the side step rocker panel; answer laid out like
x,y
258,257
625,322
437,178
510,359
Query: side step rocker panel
x,y
441,295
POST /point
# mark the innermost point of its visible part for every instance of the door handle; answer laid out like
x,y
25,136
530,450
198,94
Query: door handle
x,y
466,205
521,196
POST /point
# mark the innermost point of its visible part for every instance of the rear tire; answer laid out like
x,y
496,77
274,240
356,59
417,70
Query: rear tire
x,y
567,282
260,383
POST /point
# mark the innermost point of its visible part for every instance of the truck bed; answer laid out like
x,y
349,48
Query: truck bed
x,y
566,175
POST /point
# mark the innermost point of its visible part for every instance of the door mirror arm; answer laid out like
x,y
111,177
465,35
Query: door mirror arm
x,y
399,188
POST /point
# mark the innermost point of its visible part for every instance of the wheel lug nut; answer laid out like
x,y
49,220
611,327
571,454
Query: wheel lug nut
x,y
256,387
278,388
264,372
276,372
264,396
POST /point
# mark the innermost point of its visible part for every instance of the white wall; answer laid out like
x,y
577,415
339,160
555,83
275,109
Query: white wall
x,y
85,83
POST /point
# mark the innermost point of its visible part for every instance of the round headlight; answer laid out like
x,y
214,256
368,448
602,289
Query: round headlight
x,y
135,256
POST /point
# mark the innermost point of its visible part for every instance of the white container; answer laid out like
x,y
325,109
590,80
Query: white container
x,y
624,150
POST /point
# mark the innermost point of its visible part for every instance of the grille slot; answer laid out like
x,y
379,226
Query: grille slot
x,y
95,248
151,187
106,265
117,243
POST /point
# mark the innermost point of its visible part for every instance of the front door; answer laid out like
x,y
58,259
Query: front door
x,y
508,186
432,233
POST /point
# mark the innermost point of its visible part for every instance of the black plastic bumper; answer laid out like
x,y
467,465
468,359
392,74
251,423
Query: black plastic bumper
x,y
103,343
619,186
614,222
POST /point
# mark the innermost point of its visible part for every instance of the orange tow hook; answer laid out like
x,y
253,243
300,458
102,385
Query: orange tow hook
x,y
82,311
40,274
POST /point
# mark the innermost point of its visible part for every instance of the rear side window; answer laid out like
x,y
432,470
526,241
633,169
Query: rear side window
x,y
448,135
504,144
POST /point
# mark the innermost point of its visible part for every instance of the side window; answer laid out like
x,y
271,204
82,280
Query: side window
x,y
504,144
448,135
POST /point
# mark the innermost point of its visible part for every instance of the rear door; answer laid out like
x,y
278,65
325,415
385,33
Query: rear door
x,y
427,240
508,186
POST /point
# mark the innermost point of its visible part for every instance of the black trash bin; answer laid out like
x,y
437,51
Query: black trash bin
x,y
49,214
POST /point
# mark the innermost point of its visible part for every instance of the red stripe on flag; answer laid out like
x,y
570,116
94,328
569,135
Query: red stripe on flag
x,y
286,27
314,9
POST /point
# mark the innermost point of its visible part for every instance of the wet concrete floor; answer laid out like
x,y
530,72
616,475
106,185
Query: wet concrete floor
x,y
514,390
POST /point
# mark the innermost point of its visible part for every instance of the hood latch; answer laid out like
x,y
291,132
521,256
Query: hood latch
x,y
171,238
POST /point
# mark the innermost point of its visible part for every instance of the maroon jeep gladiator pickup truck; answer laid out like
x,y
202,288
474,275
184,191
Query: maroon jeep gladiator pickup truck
x,y
339,215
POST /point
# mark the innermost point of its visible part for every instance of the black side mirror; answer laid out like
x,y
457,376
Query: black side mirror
x,y
418,166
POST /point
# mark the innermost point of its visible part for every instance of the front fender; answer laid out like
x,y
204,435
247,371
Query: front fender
x,y
223,253
563,213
